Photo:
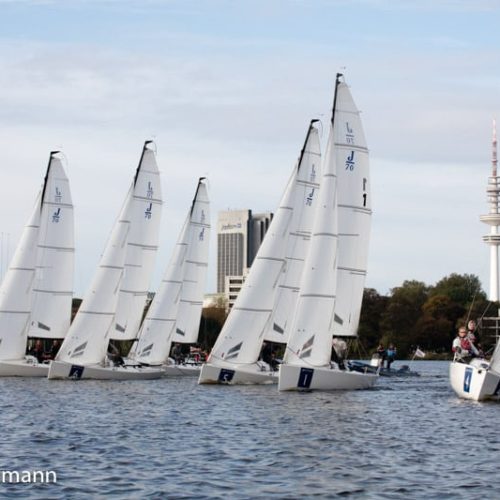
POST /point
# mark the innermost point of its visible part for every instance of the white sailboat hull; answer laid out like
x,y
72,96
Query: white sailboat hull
x,y
23,368
297,378
62,370
474,380
235,375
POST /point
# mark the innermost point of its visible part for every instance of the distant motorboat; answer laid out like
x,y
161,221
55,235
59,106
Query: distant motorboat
x,y
400,371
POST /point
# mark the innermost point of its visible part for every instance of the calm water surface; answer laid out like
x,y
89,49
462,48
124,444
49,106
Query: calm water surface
x,y
408,438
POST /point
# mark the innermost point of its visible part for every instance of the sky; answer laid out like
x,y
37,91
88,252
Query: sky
x,y
226,89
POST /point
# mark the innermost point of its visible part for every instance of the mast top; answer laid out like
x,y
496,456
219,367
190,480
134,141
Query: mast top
x,y
494,158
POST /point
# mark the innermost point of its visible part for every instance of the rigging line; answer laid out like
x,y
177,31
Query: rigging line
x,y
470,308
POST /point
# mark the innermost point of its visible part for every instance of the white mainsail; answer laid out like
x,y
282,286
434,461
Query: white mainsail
x,y
87,339
141,247
354,212
299,235
310,339
53,284
16,290
195,269
158,328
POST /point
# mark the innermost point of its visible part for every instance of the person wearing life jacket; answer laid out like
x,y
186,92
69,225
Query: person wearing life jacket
x,y
463,347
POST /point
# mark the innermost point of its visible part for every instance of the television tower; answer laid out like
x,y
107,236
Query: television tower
x,y
493,219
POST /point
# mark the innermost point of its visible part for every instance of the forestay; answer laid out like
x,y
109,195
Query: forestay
x,y
141,247
87,339
195,269
53,285
310,339
16,290
299,235
354,211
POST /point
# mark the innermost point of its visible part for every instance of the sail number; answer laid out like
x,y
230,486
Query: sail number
x,y
365,182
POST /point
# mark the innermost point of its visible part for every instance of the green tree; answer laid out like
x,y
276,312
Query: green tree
x,y
400,318
374,305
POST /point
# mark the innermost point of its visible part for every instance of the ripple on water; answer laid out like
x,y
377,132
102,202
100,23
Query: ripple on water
x,y
173,438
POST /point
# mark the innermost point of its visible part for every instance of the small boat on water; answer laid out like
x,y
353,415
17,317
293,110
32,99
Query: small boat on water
x,y
331,288
373,367
83,354
175,311
477,379
36,293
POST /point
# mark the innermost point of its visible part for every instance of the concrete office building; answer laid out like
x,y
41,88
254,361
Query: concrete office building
x,y
239,235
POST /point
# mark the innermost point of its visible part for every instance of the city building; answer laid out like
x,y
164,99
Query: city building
x,y
239,235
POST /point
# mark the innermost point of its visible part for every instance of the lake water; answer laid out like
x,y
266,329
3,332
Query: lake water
x,y
170,438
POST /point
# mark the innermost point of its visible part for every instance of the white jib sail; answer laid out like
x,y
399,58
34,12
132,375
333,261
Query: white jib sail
x,y
310,338
195,269
241,338
299,235
354,212
141,247
157,331
53,285
16,290
87,339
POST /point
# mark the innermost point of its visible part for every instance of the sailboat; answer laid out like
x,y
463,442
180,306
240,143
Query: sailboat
x,y
142,246
36,294
83,352
478,379
331,288
176,308
271,283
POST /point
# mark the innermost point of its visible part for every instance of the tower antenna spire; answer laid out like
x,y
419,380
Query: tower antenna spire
x,y
493,218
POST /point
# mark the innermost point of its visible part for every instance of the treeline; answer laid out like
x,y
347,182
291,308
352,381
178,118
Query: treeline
x,y
416,314
413,314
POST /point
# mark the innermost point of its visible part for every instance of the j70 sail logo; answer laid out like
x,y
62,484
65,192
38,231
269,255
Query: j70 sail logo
x,y
56,216
149,193
201,236
149,211
309,198
349,135
58,195
203,216
349,162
